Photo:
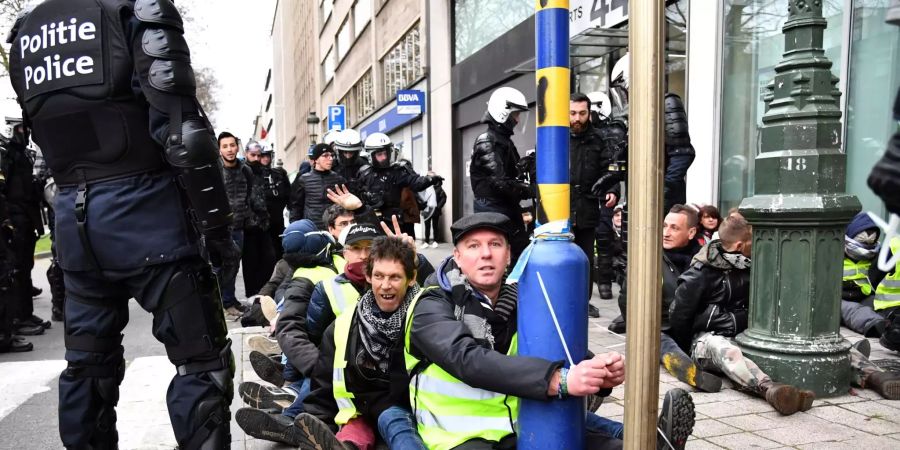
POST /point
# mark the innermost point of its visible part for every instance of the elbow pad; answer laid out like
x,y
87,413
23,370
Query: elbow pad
x,y
196,159
164,58
677,134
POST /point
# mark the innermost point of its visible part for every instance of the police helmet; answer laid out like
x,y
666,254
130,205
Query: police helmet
x,y
621,72
377,143
504,101
600,104
330,136
348,141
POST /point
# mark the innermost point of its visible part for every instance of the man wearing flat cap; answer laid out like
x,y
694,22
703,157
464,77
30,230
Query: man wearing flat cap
x,y
460,349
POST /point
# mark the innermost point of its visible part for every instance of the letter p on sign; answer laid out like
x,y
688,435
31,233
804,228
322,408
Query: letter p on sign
x,y
337,117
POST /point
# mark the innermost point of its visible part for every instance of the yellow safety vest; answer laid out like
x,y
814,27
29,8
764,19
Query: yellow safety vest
x,y
858,272
320,273
450,412
343,397
888,293
341,296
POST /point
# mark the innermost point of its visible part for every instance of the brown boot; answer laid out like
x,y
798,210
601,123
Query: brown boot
x,y
787,399
886,384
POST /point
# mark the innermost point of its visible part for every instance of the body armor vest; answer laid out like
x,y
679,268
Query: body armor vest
x,y
72,71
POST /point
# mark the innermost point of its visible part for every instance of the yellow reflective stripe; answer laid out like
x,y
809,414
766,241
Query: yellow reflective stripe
x,y
456,389
463,424
343,397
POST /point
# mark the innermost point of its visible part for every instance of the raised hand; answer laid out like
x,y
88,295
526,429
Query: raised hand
x,y
342,196
396,232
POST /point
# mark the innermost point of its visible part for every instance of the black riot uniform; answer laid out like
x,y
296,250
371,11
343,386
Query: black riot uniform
x,y
679,153
277,188
382,188
108,90
592,152
496,180
55,278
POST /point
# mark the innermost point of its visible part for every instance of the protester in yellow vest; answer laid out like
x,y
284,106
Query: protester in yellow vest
x,y
354,384
340,293
887,301
861,309
460,351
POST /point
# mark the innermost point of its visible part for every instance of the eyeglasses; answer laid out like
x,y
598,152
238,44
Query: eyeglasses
x,y
327,155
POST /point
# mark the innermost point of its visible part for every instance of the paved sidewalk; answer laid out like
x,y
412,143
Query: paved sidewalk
x,y
728,419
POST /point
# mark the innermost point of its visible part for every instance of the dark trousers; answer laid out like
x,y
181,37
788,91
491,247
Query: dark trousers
x,y
24,240
605,237
584,239
431,226
258,260
187,318
518,237
276,229
227,273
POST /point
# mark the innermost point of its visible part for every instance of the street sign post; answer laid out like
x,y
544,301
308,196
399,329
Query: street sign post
x,y
337,117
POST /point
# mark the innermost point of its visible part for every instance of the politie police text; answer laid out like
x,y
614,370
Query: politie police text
x,y
55,67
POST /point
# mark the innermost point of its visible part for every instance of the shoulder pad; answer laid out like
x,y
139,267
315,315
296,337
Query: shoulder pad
x,y
673,102
364,170
20,19
165,43
484,137
162,12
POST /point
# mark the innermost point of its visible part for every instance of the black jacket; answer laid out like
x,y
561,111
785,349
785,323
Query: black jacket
x,y
373,391
590,157
438,337
350,171
290,330
712,296
276,191
679,152
309,198
493,168
381,188
675,262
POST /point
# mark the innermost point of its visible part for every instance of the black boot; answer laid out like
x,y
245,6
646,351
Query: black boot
x,y
676,420
15,344
605,291
35,291
27,329
36,321
593,311
57,314
617,325
890,338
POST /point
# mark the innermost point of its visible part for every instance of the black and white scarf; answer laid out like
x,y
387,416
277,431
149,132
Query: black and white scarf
x,y
379,330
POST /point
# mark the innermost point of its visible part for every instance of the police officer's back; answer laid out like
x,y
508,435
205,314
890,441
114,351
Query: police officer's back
x,y
108,90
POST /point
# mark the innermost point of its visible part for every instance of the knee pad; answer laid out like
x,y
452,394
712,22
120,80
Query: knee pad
x,y
211,424
189,320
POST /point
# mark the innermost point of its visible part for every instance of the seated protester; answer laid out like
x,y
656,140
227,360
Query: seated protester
x,y
861,247
316,263
340,293
679,246
359,381
357,241
711,305
481,363
887,300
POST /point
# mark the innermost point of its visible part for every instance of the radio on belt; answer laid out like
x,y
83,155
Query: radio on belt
x,y
54,67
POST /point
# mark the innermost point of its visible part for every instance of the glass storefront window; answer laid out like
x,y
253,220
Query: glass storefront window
x,y
476,23
873,80
402,65
753,45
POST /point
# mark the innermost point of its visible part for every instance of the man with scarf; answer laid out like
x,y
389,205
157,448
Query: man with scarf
x,y
357,242
459,351
861,247
359,382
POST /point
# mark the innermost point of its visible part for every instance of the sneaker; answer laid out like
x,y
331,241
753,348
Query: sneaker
x,y
260,396
863,346
676,420
267,369
434,244
264,345
268,426
232,313
314,434
605,291
890,338
26,329
424,245
269,307
593,311
594,402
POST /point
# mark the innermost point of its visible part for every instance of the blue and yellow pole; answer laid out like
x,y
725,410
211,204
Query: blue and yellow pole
x,y
553,287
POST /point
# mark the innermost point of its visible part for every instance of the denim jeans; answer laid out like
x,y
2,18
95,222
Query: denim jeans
x,y
300,388
227,274
602,425
397,428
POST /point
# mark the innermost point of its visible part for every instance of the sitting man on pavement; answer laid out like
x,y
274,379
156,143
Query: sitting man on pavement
x,y
460,331
861,248
711,306
359,382
316,263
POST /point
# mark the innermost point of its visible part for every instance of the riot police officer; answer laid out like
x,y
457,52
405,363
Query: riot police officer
x,y
382,182
113,107
23,204
493,169
278,191
348,146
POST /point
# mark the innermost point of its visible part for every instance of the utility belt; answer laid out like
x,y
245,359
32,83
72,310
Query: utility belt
x,y
85,175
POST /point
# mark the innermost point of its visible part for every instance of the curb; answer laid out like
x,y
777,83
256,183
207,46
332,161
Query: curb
x,y
43,255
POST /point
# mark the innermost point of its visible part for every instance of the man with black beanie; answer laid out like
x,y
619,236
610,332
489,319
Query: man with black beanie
x,y
309,196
